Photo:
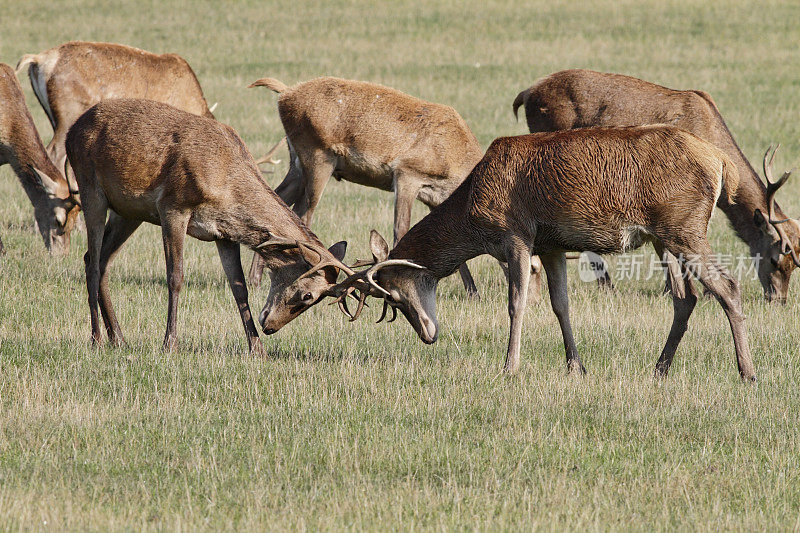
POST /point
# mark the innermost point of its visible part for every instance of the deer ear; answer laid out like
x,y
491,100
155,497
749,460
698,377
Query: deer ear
x,y
380,250
761,221
338,250
48,183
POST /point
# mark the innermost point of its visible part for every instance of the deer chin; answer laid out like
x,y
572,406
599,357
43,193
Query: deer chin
x,y
427,329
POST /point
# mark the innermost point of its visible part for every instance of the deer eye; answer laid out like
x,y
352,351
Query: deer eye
x,y
308,297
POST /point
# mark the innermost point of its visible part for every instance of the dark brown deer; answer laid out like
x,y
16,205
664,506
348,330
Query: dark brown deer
x,y
72,77
583,98
374,136
149,162
54,208
606,190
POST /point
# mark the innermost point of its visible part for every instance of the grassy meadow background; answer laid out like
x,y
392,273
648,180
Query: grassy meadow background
x,y
360,425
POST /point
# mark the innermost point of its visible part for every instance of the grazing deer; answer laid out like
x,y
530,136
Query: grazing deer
x,y
72,77
54,208
374,136
150,162
583,98
606,190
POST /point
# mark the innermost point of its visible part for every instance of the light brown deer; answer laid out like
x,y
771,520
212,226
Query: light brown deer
x,y
20,146
583,98
374,136
149,162
72,77
605,190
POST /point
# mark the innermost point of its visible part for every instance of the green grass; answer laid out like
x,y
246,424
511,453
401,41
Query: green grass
x,y
360,425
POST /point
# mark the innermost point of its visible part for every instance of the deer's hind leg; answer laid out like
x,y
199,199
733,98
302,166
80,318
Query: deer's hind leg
x,y
173,231
696,258
95,209
117,231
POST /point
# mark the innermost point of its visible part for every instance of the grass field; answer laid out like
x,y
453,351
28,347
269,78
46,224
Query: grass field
x,y
360,425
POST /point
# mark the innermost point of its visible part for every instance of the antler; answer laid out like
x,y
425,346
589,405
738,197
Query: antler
x,y
772,189
366,278
325,256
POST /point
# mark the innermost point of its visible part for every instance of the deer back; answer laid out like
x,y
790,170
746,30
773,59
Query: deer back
x,y
359,119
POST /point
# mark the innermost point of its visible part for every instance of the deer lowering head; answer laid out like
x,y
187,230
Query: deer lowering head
x,y
149,162
297,286
781,256
54,208
604,190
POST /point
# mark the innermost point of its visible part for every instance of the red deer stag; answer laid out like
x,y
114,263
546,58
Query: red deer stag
x,y
582,98
606,190
374,136
72,77
150,162
20,146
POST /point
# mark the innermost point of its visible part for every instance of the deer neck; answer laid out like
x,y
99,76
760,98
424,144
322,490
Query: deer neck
x,y
445,239
263,216
751,195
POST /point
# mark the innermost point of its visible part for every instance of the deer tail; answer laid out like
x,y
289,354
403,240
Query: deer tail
x,y
270,83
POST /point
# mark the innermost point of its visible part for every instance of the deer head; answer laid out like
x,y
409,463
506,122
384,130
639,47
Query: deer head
x,y
56,216
403,285
297,286
781,257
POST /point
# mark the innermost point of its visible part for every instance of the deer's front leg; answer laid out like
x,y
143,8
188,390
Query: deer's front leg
x,y
519,273
173,232
231,259
555,265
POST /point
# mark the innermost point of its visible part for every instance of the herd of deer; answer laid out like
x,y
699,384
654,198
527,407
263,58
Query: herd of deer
x,y
612,162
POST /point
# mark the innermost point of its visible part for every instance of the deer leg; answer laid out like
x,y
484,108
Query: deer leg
x,y
316,174
535,283
601,274
555,265
95,208
117,231
519,267
173,231
725,289
2,248
230,257
684,298
673,269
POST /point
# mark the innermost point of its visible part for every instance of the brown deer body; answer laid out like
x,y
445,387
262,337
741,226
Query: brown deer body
x,y
374,136
74,76
584,98
602,190
20,146
149,162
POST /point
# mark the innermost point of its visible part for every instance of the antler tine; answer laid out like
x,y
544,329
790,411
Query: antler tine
x,y
772,189
773,186
389,262
324,260
362,263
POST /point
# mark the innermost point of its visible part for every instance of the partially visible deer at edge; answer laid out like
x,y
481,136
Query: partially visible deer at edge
x,y
54,209
583,98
